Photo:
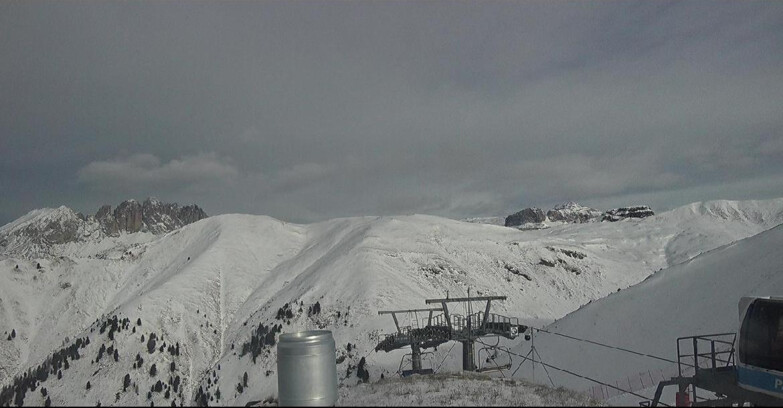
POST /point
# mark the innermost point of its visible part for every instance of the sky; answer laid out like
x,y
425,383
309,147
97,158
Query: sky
x,y
306,111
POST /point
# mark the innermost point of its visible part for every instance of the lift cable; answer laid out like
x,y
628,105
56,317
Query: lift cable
x,y
524,358
444,357
586,378
614,347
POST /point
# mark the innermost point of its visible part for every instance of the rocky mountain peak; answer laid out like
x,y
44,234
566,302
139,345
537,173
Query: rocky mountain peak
x,y
533,215
570,205
152,215
637,211
36,232
573,213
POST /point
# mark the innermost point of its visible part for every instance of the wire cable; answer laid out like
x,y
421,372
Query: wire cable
x,y
525,358
448,353
613,347
588,378
597,382
541,359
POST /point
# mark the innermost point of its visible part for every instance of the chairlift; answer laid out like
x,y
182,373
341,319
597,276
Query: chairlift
x,y
489,363
407,361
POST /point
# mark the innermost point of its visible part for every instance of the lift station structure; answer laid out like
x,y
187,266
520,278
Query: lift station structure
x,y
448,326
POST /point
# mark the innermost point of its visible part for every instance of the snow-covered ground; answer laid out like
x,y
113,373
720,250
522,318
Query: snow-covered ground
x,y
697,297
211,285
458,390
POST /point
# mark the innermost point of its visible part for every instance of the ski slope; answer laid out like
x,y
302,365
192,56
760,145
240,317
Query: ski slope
x,y
209,285
696,297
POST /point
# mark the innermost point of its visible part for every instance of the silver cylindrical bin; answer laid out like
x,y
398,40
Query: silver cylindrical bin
x,y
306,369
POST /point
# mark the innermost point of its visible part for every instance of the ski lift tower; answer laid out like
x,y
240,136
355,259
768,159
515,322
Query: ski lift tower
x,y
415,337
466,329
448,326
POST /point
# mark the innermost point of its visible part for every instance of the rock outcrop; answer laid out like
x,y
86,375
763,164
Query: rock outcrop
x,y
105,218
531,215
572,213
617,214
35,233
128,216
160,217
151,216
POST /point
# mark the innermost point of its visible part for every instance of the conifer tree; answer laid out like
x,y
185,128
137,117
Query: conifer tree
x,y
151,344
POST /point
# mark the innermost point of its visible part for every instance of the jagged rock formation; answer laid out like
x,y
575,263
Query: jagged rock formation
x,y
128,216
532,215
617,214
573,213
151,216
36,232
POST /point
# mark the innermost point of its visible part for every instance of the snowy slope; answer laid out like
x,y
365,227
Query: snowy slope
x,y
693,298
208,286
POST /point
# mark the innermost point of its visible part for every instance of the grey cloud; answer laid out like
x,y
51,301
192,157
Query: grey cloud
x,y
146,171
311,110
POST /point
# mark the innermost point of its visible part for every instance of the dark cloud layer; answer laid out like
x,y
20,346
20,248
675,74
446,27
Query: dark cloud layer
x,y
311,110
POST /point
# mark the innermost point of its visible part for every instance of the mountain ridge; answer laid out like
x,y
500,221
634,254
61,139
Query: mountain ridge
x,y
214,284
35,233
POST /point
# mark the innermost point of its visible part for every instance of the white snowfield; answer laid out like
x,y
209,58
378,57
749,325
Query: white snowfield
x,y
208,286
697,297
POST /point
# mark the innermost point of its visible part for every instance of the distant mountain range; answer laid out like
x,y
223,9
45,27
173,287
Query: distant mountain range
x,y
573,213
87,299
35,233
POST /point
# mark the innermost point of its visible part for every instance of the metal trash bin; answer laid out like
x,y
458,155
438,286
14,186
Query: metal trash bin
x,y
306,369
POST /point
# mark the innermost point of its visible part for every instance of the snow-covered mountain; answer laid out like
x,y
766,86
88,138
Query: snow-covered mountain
x,y
47,231
573,213
218,287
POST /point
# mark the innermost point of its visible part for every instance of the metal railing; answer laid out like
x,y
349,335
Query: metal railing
x,y
708,351
460,322
461,326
